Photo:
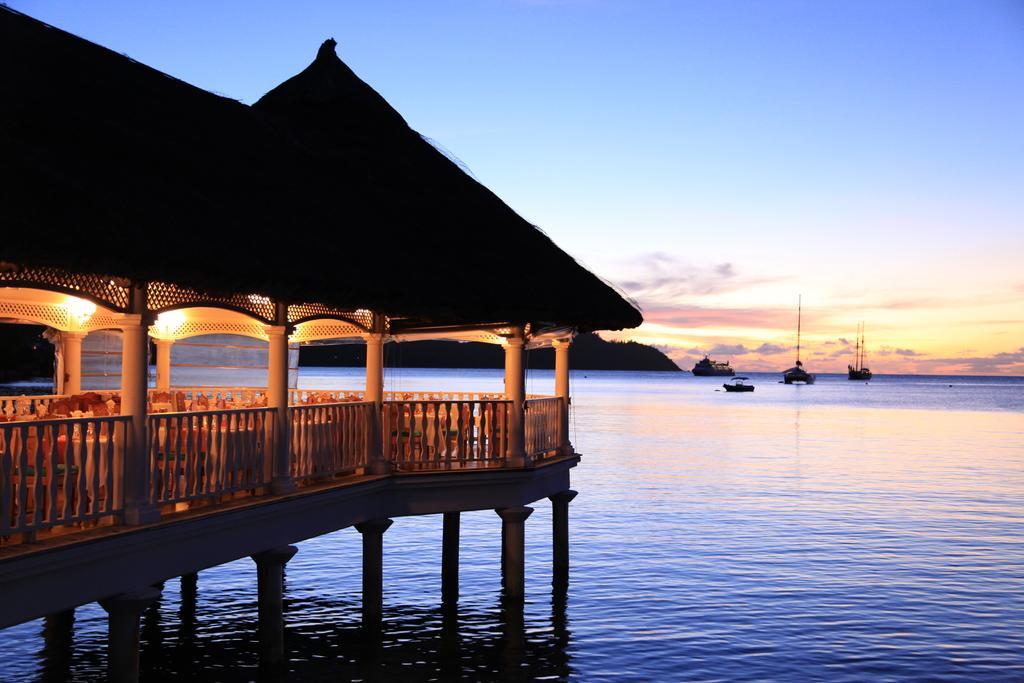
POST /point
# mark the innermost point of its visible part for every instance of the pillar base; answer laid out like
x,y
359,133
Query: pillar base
x,y
377,467
282,485
519,460
136,515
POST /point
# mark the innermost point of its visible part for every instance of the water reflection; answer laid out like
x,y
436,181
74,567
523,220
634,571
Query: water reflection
x,y
713,539
185,638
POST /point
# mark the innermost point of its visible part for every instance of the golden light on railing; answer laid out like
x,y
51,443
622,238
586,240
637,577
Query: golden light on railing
x,y
80,311
168,322
259,299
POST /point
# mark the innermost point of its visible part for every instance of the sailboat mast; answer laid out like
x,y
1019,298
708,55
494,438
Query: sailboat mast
x,y
799,307
863,350
856,362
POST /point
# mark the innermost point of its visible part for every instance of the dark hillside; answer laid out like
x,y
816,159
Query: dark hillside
x,y
589,352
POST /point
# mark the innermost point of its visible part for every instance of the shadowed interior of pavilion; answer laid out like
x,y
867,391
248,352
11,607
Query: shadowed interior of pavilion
x,y
139,204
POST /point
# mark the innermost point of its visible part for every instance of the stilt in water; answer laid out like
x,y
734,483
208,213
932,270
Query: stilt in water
x,y
58,637
450,559
270,588
373,572
513,551
123,612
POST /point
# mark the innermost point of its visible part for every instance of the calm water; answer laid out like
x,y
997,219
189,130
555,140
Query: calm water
x,y
843,531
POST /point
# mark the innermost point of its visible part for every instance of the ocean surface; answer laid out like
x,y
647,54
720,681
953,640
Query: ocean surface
x,y
845,531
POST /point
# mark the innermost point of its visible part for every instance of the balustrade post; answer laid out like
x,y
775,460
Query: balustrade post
x,y
277,398
562,391
376,463
513,551
515,391
123,612
71,349
139,505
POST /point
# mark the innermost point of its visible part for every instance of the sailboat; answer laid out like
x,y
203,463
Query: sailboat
x,y
797,374
858,371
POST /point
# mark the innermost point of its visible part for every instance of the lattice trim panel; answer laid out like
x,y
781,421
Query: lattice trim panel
x,y
163,296
326,329
101,320
194,328
361,318
58,316
44,314
485,336
108,291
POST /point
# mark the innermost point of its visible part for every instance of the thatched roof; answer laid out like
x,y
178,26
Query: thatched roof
x,y
319,192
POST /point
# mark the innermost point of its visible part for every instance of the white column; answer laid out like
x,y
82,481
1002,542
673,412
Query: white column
x,y
163,363
138,509
277,398
515,391
376,464
374,367
71,344
562,390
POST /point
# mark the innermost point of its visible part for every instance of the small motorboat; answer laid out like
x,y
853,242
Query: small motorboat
x,y
737,384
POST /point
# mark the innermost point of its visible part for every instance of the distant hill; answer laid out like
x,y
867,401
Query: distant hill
x,y
588,352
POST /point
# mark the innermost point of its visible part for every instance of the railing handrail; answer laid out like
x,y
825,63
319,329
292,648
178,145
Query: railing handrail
x,y
207,411
61,421
449,400
19,397
297,406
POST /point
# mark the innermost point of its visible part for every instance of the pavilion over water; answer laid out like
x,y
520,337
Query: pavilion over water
x,y
141,208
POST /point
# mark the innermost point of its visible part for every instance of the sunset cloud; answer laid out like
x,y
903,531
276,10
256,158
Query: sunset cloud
x,y
740,313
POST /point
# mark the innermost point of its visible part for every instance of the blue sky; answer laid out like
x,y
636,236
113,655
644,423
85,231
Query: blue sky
x,y
717,157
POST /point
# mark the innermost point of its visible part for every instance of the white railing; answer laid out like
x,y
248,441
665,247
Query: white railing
x,y
180,399
205,454
329,439
25,407
436,434
316,396
59,472
442,396
545,421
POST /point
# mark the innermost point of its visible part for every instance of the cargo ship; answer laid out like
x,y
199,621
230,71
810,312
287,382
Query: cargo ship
x,y
712,368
